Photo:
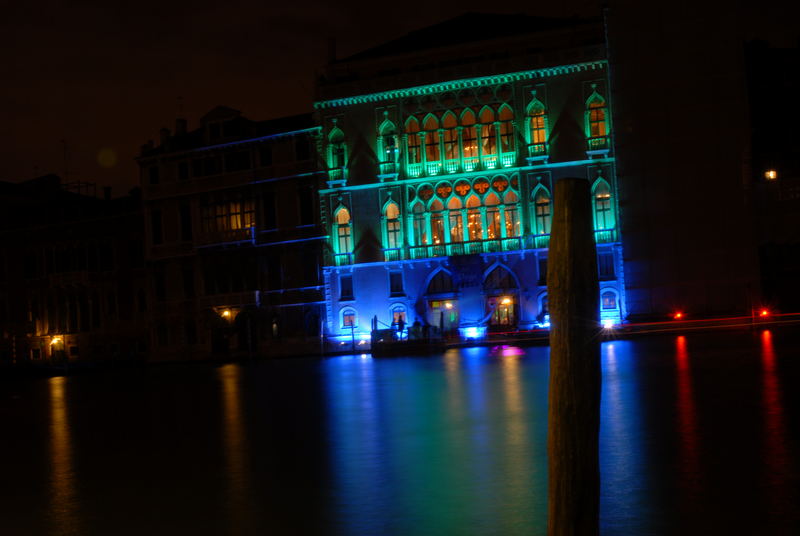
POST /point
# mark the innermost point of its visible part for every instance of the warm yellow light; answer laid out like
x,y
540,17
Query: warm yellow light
x,y
448,305
55,340
226,313
770,174
506,300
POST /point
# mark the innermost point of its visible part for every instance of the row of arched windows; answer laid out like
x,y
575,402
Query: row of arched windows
x,y
448,218
464,141
498,282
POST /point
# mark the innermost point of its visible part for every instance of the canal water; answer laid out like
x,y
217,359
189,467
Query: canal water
x,y
700,435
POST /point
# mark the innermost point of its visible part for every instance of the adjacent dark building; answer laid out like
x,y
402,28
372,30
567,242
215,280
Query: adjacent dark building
x,y
233,239
72,280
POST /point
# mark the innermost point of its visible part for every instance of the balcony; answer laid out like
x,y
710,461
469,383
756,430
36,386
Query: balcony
x,y
540,241
470,163
508,159
393,254
433,168
451,166
605,236
537,152
598,146
415,170
343,259
472,247
489,161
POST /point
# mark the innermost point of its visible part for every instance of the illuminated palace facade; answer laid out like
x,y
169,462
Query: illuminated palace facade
x,y
439,189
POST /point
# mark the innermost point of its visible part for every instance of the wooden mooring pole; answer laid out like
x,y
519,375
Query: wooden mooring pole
x,y
574,397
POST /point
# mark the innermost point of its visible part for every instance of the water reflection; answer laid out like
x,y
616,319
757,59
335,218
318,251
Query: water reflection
x,y
624,478
686,410
63,494
775,449
235,444
519,456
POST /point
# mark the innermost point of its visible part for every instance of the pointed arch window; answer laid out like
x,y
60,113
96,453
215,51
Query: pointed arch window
x,y
431,139
469,140
511,210
392,214
337,152
344,243
469,136
414,149
488,137
492,203
437,222
499,280
537,123
603,210
455,220
474,224
440,283
450,135
506,129
420,228
541,204
501,289
387,147
597,122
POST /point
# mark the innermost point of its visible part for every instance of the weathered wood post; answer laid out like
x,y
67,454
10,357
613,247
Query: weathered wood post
x,y
574,396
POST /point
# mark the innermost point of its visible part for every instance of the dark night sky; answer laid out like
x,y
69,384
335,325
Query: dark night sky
x,y
105,76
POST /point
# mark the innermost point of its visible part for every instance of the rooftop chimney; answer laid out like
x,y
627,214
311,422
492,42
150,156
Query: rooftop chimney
x,y
180,126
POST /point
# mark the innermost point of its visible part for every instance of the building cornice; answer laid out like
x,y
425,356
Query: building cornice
x,y
464,83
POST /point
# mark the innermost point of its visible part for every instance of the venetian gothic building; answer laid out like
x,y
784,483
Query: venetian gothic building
x,y
440,176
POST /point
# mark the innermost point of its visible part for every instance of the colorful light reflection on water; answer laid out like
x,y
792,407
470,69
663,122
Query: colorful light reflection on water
x,y
692,428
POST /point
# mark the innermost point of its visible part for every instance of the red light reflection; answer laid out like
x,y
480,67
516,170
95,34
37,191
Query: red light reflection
x,y
775,452
689,456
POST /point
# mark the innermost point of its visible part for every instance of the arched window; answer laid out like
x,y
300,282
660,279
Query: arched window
x,y
492,203
437,222
500,288
344,231
392,214
455,221
499,280
387,143
336,149
608,300
440,283
431,139
420,229
538,128
413,141
511,214
474,224
506,129
488,137
450,135
596,121
469,137
541,203
398,313
603,211
349,318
